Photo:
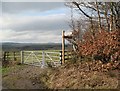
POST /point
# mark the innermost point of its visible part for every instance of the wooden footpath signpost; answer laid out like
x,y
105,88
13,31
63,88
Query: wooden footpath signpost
x,y
63,45
63,48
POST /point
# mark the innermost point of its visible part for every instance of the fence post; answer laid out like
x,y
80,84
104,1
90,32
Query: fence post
x,y
63,48
7,56
22,57
14,56
43,59
4,57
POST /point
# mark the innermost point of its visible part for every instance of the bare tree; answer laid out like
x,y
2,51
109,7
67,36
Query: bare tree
x,y
97,14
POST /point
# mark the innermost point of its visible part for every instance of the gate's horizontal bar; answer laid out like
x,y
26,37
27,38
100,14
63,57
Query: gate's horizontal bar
x,y
48,59
53,52
38,56
55,57
52,60
13,56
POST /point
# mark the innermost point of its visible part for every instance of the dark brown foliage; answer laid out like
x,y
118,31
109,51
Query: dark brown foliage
x,y
102,46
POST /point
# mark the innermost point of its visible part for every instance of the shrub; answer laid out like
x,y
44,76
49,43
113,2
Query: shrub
x,y
102,45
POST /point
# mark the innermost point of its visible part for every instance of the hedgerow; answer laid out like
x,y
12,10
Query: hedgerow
x,y
103,46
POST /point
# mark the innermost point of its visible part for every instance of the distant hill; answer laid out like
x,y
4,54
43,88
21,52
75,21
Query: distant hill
x,y
10,46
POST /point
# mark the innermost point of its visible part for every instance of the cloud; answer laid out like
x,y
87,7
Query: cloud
x,y
30,36
37,29
36,23
20,7
18,25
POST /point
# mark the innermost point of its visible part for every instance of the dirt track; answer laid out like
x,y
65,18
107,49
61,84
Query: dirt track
x,y
23,77
67,76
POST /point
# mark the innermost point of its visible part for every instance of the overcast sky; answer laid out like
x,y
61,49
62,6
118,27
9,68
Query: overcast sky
x,y
33,22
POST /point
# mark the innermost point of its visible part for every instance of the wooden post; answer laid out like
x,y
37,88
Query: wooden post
x,y
4,57
22,57
63,48
43,60
7,56
14,56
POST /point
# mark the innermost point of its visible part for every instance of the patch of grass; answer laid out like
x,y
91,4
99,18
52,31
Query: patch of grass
x,y
5,70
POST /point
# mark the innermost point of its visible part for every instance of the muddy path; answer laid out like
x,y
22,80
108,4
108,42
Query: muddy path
x,y
23,77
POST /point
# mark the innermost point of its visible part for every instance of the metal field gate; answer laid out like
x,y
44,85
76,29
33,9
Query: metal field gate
x,y
41,58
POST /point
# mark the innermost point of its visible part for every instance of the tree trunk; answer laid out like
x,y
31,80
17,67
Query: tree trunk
x,y
99,18
106,17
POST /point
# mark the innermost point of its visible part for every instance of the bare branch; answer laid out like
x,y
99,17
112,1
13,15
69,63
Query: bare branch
x,y
75,3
